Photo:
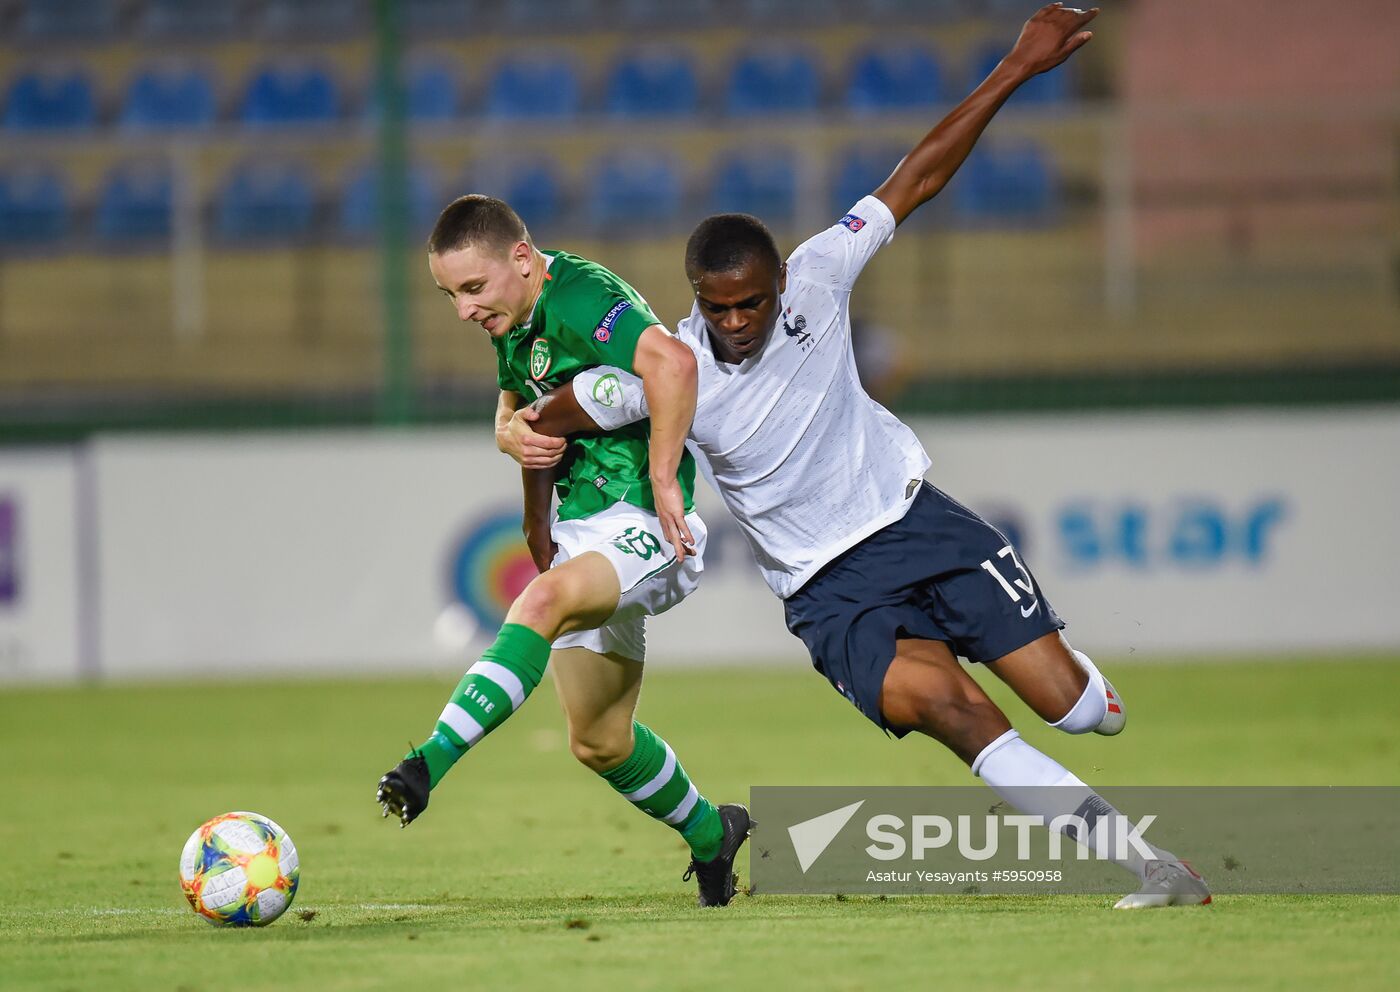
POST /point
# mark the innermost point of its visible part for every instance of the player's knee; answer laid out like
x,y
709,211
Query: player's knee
x,y
543,605
599,749
1088,712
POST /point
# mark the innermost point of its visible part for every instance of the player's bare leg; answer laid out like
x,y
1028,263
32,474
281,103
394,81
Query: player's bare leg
x,y
1063,686
926,690
599,695
580,594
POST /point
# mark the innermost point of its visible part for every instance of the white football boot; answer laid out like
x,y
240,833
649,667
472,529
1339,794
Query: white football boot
x,y
1117,715
1168,883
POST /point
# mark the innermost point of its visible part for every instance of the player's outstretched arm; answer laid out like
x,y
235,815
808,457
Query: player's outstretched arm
x,y
1047,39
670,380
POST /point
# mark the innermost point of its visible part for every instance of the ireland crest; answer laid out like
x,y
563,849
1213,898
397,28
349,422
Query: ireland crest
x,y
539,358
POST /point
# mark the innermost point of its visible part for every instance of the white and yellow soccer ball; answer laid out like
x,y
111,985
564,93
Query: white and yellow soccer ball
x,y
240,869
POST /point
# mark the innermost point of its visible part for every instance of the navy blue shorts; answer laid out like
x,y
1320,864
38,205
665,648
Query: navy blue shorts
x,y
942,573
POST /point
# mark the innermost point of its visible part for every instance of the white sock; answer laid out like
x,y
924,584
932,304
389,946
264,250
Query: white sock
x,y
1088,713
1017,772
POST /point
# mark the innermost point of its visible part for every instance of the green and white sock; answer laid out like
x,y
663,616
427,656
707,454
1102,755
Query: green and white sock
x,y
653,780
493,689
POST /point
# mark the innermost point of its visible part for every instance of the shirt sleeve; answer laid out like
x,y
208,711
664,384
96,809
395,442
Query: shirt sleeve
x,y
613,397
836,256
606,318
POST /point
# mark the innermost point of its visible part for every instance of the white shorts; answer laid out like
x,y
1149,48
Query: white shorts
x,y
631,539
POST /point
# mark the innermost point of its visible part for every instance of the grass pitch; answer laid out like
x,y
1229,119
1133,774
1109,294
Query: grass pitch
x,y
526,872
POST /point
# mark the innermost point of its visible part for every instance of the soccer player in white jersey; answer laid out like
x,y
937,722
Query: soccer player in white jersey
x,y
885,578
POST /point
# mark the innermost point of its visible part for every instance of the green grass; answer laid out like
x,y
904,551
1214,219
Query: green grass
x,y
528,873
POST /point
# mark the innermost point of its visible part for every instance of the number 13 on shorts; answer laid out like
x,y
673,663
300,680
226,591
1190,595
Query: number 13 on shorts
x,y
1018,584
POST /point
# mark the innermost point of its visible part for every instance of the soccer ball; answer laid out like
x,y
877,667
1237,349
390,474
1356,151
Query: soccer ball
x,y
240,869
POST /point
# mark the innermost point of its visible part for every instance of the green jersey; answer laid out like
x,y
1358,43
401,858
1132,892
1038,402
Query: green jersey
x,y
586,316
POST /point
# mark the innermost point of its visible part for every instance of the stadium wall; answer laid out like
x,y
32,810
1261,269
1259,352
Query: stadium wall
x,y
184,556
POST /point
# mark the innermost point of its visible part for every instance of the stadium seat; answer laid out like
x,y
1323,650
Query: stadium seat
x,y
438,17
359,205
923,10
167,97
290,94
773,82
311,18
531,186
34,205
685,13
789,11
53,19
1046,89
194,21
859,172
541,85
632,191
434,91
763,184
657,83
135,204
894,79
533,15
57,100
1005,183
265,200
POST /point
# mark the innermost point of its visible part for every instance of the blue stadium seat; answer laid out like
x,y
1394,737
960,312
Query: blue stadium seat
x,y
46,19
672,14
541,85
311,18
136,203
773,82
434,91
34,205
788,12
265,201
892,79
1005,183
1046,89
652,84
531,186
533,15
634,190
859,172
182,19
763,184
438,17
359,205
290,94
40,101
164,97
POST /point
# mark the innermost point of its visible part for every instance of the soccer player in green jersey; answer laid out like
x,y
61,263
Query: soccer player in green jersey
x,y
624,544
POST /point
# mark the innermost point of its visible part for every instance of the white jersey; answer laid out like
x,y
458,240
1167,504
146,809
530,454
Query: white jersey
x,y
805,460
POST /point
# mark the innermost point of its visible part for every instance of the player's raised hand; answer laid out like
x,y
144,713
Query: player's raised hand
x,y
1050,37
521,442
670,510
